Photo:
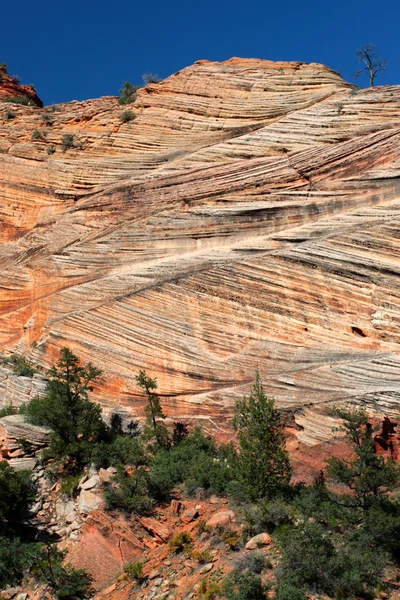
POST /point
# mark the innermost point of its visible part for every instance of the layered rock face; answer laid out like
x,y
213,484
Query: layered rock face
x,y
247,217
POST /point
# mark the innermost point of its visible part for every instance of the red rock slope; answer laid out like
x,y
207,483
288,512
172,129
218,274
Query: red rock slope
x,y
248,216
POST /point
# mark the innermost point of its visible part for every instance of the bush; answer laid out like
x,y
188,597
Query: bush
x,y
51,150
7,410
289,592
209,590
254,562
17,491
73,583
203,556
127,116
202,527
129,493
266,517
181,542
326,564
195,461
69,485
8,115
151,78
244,585
128,93
3,67
21,366
22,99
47,120
67,141
122,450
36,135
14,562
134,570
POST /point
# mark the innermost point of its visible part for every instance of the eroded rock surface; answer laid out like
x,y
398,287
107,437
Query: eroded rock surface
x,y
248,216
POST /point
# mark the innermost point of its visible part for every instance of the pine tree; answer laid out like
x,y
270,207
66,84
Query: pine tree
x,y
367,475
154,413
66,409
263,463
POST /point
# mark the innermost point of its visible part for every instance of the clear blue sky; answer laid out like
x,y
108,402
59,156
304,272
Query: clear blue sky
x,y
74,50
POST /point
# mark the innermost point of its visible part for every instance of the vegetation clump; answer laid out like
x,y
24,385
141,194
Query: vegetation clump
x,y
128,93
127,116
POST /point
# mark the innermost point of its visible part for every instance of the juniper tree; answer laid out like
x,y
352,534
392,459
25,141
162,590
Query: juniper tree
x,y
263,464
66,409
154,429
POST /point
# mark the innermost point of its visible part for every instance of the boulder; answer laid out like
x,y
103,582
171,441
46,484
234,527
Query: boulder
x,y
188,515
92,482
222,518
262,539
89,500
156,529
106,475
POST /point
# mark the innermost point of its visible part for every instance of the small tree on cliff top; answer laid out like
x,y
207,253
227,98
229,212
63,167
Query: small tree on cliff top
x,y
373,63
263,463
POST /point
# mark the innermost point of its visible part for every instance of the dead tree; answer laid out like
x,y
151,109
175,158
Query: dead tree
x,y
373,63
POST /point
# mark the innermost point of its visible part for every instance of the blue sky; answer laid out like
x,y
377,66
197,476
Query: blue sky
x,y
84,49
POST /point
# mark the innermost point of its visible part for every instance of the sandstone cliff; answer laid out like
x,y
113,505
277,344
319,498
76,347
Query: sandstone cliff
x,y
248,216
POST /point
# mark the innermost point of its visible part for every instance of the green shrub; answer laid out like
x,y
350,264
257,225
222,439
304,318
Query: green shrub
x,y
286,591
47,120
128,93
21,99
22,367
3,67
127,116
69,485
7,410
254,562
122,450
195,460
181,542
134,570
320,562
202,527
203,556
36,135
129,492
67,141
244,585
209,590
14,562
51,150
266,517
17,491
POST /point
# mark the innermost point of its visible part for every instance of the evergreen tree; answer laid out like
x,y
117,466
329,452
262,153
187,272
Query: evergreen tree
x,y
66,409
263,464
368,476
154,413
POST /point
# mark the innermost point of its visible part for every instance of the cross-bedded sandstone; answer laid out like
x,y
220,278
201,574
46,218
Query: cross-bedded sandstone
x,y
247,217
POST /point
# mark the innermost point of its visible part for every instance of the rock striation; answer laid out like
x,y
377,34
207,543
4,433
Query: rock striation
x,y
248,216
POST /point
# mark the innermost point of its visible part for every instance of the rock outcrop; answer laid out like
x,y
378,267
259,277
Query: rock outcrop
x,y
13,92
247,216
